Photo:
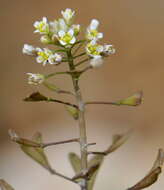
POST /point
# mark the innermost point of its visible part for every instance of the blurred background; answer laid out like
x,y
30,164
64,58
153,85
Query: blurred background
x,y
136,28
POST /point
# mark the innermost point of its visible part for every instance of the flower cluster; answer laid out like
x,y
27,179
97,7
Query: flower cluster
x,y
43,56
93,49
60,31
63,33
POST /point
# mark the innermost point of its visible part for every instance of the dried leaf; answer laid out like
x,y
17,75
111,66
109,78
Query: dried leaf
x,y
37,153
36,97
152,176
76,165
92,169
5,186
87,173
97,159
133,100
14,137
73,112
159,160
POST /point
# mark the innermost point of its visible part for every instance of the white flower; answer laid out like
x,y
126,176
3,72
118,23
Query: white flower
x,y
58,25
66,38
96,61
29,50
108,49
42,27
55,58
94,49
94,24
43,55
76,28
92,32
68,15
35,78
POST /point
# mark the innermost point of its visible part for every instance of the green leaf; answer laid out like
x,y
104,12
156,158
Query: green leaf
x,y
95,160
36,153
72,111
75,162
5,186
152,176
134,100
36,97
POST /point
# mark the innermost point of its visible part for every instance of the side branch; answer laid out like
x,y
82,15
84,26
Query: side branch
x,y
133,100
60,142
101,102
62,102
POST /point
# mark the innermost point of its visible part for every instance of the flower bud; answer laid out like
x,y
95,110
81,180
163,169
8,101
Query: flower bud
x,y
35,78
76,28
45,39
96,61
68,15
108,50
29,49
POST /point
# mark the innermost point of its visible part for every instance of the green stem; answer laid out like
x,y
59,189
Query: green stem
x,y
56,73
81,120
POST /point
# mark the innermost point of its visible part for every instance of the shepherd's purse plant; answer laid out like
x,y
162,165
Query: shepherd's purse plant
x,y
78,56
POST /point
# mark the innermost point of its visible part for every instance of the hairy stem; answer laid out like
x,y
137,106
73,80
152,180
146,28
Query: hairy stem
x,y
81,120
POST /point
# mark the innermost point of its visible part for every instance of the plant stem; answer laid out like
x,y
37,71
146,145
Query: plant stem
x,y
81,119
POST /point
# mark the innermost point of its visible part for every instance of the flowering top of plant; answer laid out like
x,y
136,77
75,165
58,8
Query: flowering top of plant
x,y
64,35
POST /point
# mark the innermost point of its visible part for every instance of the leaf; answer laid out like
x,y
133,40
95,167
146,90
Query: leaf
x,y
36,97
73,112
152,176
118,140
134,100
159,160
97,159
14,137
37,153
75,162
76,165
5,186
